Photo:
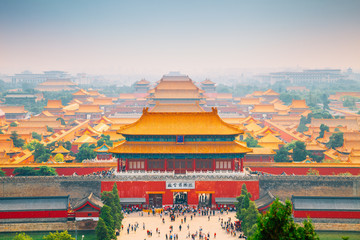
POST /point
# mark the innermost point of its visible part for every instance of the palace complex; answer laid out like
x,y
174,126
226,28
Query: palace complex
x,y
175,142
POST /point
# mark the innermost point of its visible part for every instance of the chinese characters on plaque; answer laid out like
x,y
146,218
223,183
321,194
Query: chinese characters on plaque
x,y
180,184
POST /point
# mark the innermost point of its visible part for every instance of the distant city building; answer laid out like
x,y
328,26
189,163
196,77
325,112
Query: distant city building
x,y
29,77
208,86
309,76
142,86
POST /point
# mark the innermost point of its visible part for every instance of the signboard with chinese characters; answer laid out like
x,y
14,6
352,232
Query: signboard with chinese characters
x,y
180,184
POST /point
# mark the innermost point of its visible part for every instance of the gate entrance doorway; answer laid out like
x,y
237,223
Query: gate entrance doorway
x,y
180,198
155,200
205,199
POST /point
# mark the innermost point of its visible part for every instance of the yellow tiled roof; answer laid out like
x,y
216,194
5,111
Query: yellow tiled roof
x,y
101,127
85,139
253,127
81,92
249,101
54,104
262,151
270,138
60,149
87,108
263,108
188,147
270,92
200,123
298,104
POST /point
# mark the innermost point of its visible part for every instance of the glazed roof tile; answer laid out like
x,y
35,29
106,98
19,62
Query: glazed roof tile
x,y
200,123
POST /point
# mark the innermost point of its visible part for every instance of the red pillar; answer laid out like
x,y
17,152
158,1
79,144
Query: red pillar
x,y
233,164
146,164
165,164
118,165
194,165
241,164
126,164
213,167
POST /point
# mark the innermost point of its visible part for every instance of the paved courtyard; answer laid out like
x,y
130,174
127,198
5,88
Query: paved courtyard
x,y
153,222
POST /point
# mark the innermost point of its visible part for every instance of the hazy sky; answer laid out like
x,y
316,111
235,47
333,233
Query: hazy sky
x,y
192,36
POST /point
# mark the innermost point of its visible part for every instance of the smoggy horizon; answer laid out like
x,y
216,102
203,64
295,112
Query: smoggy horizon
x,y
155,37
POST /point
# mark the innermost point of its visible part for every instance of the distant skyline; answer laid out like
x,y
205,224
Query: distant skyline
x,y
194,37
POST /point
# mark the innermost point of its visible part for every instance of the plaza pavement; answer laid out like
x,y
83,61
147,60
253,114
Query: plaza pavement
x,y
153,222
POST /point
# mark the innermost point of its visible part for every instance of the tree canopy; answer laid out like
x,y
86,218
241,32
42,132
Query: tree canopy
x,y
2,173
336,140
246,212
29,171
58,236
277,223
101,230
282,155
18,142
299,151
22,236
251,141
111,199
323,128
86,152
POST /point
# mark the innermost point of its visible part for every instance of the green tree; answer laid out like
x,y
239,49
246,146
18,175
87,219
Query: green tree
x,y
251,141
104,139
1,132
105,214
2,173
18,142
277,223
61,120
31,145
336,140
299,152
325,101
101,231
58,236
111,199
86,152
41,153
249,221
25,171
59,157
282,155
46,171
49,129
302,125
323,128
36,136
22,236
312,172
13,124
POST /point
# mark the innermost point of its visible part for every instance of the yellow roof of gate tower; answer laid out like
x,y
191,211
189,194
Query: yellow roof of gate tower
x,y
194,123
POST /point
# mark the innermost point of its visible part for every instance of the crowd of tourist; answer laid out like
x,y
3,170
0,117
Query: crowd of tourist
x,y
185,214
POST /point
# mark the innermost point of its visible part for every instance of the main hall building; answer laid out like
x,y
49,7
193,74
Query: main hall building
x,y
189,158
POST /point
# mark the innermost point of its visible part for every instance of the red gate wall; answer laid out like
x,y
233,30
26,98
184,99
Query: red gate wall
x,y
219,189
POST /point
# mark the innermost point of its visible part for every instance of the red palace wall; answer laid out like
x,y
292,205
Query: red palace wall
x,y
327,214
219,189
34,214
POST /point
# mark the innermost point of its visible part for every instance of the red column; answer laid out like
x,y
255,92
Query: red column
x,y
213,167
261,159
146,164
194,165
118,165
165,164
233,164
241,164
126,164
